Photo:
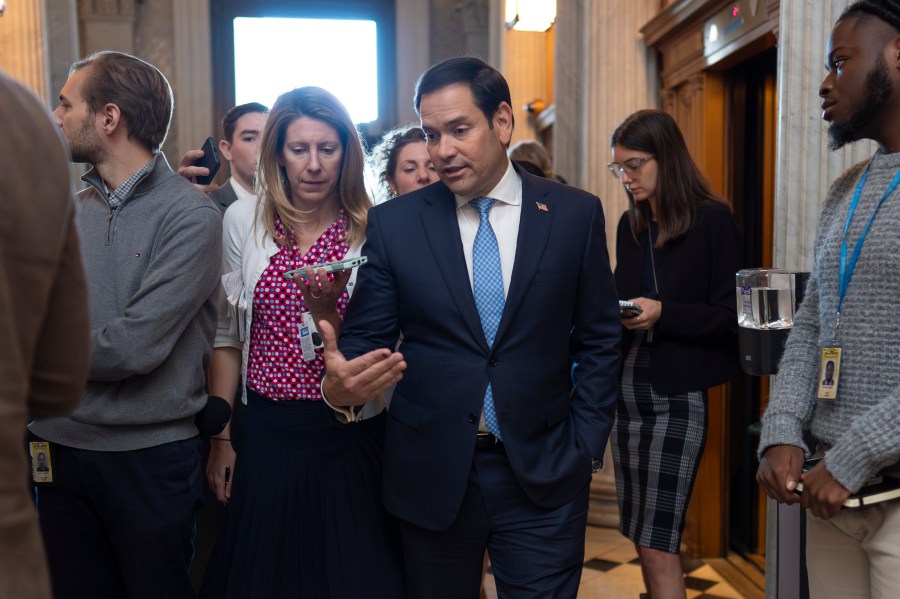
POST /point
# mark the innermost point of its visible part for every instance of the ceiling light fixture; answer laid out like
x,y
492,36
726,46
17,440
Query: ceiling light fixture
x,y
530,15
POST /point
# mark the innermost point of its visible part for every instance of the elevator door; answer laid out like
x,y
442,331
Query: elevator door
x,y
751,108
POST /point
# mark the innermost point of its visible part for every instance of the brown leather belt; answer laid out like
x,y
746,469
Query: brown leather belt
x,y
487,440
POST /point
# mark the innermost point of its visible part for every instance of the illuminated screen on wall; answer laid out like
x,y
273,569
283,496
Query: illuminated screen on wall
x,y
275,55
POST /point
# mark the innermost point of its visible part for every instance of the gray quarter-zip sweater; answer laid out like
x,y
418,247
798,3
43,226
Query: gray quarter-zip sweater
x,y
153,268
861,428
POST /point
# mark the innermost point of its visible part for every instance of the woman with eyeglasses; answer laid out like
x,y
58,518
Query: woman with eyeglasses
x,y
677,251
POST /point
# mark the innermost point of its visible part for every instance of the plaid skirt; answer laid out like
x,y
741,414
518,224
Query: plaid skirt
x,y
657,443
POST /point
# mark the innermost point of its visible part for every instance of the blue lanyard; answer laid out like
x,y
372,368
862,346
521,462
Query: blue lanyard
x,y
845,273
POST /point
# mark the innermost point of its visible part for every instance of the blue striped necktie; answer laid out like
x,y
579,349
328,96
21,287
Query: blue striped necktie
x,y
487,282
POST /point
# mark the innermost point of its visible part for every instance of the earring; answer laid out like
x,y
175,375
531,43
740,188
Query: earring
x,y
283,175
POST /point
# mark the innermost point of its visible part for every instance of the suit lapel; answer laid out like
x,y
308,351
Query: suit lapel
x,y
225,196
534,229
441,227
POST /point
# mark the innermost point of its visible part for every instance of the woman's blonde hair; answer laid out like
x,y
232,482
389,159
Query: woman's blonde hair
x,y
274,190
533,152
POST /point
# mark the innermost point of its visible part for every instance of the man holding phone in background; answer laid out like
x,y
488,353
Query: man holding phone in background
x,y
119,518
242,126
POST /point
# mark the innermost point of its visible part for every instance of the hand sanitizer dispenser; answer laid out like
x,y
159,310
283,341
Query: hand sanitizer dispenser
x,y
765,307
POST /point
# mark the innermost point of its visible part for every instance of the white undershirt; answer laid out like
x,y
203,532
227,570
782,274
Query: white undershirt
x,y
504,217
239,190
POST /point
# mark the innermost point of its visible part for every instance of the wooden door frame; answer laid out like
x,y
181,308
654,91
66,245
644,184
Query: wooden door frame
x,y
693,91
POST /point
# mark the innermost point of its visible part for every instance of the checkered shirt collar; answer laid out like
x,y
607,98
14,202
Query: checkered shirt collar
x,y
118,195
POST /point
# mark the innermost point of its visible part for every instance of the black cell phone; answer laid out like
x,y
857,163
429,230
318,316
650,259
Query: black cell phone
x,y
210,160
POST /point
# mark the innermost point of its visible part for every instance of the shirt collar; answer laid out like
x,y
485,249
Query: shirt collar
x,y
508,190
239,190
121,193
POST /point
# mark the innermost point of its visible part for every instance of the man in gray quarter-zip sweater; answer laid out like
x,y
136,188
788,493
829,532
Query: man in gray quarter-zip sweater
x,y
848,317
118,520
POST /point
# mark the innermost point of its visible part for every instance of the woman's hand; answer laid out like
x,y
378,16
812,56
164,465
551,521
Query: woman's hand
x,y
322,290
652,310
220,468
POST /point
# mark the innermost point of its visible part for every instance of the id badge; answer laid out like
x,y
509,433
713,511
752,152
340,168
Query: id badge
x,y
310,340
307,347
829,371
41,462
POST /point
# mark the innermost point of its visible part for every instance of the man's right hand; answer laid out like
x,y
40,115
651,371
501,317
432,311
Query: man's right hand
x,y
190,172
354,382
221,460
779,472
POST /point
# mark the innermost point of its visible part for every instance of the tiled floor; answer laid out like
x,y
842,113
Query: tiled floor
x,y
611,571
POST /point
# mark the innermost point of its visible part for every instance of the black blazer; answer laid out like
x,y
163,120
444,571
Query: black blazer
x,y
560,309
695,340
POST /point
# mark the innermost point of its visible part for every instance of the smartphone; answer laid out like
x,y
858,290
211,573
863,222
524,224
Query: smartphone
x,y
210,160
345,264
629,309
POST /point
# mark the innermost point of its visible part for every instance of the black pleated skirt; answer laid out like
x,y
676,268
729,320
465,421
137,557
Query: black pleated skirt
x,y
306,517
657,444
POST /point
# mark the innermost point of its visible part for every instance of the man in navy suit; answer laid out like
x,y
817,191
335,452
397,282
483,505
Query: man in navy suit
x,y
499,283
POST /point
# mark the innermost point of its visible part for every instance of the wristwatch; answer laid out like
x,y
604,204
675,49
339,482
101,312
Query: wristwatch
x,y
596,465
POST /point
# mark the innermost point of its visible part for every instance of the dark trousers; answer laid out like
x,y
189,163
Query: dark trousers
x,y
212,516
534,552
120,524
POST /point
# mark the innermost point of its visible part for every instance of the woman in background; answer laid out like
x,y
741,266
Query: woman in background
x,y
533,157
401,163
305,514
677,252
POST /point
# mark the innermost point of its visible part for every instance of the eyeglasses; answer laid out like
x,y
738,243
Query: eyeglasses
x,y
632,167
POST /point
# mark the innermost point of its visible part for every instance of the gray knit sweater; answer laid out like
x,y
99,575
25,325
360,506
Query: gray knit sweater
x,y
861,428
153,268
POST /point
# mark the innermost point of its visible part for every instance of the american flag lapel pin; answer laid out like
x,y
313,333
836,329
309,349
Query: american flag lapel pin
x,y
542,207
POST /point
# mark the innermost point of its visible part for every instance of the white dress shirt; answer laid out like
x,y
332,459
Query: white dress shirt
x,y
239,190
504,217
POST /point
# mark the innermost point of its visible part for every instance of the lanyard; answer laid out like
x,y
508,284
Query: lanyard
x,y
846,270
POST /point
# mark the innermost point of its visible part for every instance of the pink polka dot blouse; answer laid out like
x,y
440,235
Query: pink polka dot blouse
x,y
276,368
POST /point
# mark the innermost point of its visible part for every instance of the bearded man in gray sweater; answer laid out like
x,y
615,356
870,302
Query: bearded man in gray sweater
x,y
848,318
118,519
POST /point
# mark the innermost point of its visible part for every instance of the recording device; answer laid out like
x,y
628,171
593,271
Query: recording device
x,y
211,420
210,160
337,266
629,309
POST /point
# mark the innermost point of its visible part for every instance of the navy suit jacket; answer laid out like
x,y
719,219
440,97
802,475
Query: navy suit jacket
x,y
561,310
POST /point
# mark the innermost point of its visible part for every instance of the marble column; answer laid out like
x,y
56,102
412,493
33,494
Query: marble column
x,y
192,82
459,27
61,43
413,38
603,73
107,25
806,167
